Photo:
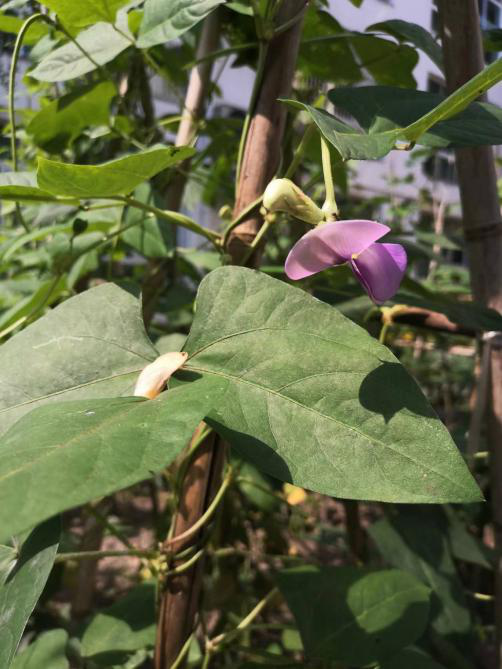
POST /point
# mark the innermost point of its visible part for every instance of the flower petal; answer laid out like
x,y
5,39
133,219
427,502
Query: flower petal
x,y
331,244
154,376
380,269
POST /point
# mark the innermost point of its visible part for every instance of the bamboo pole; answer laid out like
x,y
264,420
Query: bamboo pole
x,y
463,58
193,110
179,601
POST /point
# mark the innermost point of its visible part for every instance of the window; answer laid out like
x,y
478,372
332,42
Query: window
x,y
436,85
492,13
489,18
435,18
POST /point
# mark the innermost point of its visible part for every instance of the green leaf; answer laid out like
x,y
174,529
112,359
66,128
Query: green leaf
x,y
355,616
151,237
352,143
256,487
24,585
46,294
466,546
8,557
348,141
99,44
164,21
468,315
492,39
22,187
387,62
418,543
382,108
241,7
116,177
93,345
404,31
84,12
47,652
325,50
314,400
127,625
85,449
411,658
13,24
25,194
60,122
170,342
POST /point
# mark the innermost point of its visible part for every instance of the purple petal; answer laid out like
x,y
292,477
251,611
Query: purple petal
x,y
331,244
380,269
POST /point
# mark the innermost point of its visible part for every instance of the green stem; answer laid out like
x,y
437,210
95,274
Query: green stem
x,y
456,101
258,486
245,622
173,217
12,86
300,150
34,311
260,69
231,551
186,565
97,555
206,660
383,333
59,26
12,79
241,217
329,207
220,53
109,526
179,661
207,514
291,22
261,233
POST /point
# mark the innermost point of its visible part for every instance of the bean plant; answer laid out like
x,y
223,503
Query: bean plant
x,y
162,325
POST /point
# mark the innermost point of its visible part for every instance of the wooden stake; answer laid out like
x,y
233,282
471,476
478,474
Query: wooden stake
x,y
463,57
180,599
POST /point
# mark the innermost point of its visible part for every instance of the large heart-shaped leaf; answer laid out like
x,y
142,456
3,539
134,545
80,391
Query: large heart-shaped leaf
x,y
99,44
314,400
84,12
164,21
116,177
48,651
93,345
355,616
68,453
24,585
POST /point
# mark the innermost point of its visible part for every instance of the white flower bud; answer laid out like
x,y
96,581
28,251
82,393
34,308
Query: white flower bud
x,y
284,195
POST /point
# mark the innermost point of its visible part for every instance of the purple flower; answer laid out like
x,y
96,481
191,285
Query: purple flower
x,y
378,267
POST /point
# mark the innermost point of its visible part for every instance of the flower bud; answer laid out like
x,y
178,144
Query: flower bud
x,y
154,376
284,195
